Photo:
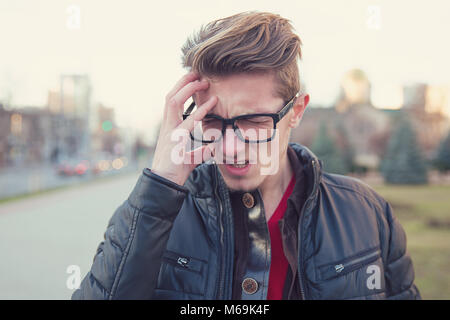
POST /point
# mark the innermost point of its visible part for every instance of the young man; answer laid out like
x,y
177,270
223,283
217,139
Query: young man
x,y
259,219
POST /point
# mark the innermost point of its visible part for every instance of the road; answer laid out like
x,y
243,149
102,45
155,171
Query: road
x,y
41,236
16,181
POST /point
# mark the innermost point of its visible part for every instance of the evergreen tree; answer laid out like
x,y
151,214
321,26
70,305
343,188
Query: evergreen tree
x,y
346,149
403,162
442,161
325,149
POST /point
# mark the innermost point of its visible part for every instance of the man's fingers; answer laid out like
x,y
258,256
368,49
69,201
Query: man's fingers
x,y
189,77
175,106
186,92
199,114
171,113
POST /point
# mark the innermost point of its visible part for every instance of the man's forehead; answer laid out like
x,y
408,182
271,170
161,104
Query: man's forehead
x,y
238,80
241,95
239,106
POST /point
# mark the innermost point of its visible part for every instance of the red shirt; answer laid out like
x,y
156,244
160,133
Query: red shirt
x,y
279,263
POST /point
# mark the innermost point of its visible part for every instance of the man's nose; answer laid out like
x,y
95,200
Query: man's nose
x,y
233,147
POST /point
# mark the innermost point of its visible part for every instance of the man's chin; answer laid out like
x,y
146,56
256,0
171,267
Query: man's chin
x,y
241,184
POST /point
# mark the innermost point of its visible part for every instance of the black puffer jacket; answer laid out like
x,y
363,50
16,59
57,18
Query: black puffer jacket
x,y
176,242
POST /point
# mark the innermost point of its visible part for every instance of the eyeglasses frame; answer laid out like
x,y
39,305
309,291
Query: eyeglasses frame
x,y
226,122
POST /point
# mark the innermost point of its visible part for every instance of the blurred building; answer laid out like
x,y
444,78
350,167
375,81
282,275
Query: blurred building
x,y
24,136
355,90
362,127
106,136
437,99
427,98
368,128
429,110
353,115
69,128
72,121
414,96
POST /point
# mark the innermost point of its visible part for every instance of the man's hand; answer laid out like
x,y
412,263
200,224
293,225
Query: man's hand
x,y
173,119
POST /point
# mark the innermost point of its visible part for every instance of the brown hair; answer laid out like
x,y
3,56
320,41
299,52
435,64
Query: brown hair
x,y
247,42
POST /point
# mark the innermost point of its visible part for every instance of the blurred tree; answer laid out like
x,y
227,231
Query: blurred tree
x,y
403,162
345,147
325,149
442,160
378,142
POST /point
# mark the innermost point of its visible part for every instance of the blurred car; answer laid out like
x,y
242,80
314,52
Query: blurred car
x,y
105,163
73,167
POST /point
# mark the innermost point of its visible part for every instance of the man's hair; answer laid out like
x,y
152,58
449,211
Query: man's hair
x,y
250,42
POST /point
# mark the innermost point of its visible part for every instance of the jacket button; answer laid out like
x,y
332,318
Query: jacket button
x,y
248,200
249,285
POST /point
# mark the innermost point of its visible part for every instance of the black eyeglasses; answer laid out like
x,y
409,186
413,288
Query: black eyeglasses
x,y
249,128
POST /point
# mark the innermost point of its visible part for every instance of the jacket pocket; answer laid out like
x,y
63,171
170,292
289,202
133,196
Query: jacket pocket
x,y
181,273
347,265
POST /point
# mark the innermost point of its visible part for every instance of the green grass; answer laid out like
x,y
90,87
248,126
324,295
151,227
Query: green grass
x,y
424,212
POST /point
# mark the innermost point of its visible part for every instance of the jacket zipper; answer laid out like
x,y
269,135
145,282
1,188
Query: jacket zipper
x,y
357,262
180,261
305,206
220,280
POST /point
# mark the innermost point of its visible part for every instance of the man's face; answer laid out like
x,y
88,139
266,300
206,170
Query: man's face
x,y
248,94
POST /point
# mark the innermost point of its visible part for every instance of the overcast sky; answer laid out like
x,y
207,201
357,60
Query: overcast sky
x,y
131,49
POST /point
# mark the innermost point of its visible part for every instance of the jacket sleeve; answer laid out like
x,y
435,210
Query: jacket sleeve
x,y
126,264
399,271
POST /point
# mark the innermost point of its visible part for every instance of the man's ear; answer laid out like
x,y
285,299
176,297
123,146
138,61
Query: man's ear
x,y
299,108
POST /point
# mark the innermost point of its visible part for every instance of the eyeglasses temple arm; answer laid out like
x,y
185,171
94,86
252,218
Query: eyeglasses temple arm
x,y
189,110
287,107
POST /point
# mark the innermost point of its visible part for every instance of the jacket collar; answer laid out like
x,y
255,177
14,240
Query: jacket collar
x,y
304,161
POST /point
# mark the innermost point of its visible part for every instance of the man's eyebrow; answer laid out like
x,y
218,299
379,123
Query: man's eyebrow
x,y
242,114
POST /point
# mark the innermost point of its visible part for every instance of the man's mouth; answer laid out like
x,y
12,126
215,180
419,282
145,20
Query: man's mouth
x,y
238,169
239,165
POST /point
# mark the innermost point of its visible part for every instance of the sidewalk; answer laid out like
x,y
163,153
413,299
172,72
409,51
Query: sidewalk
x,y
19,181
